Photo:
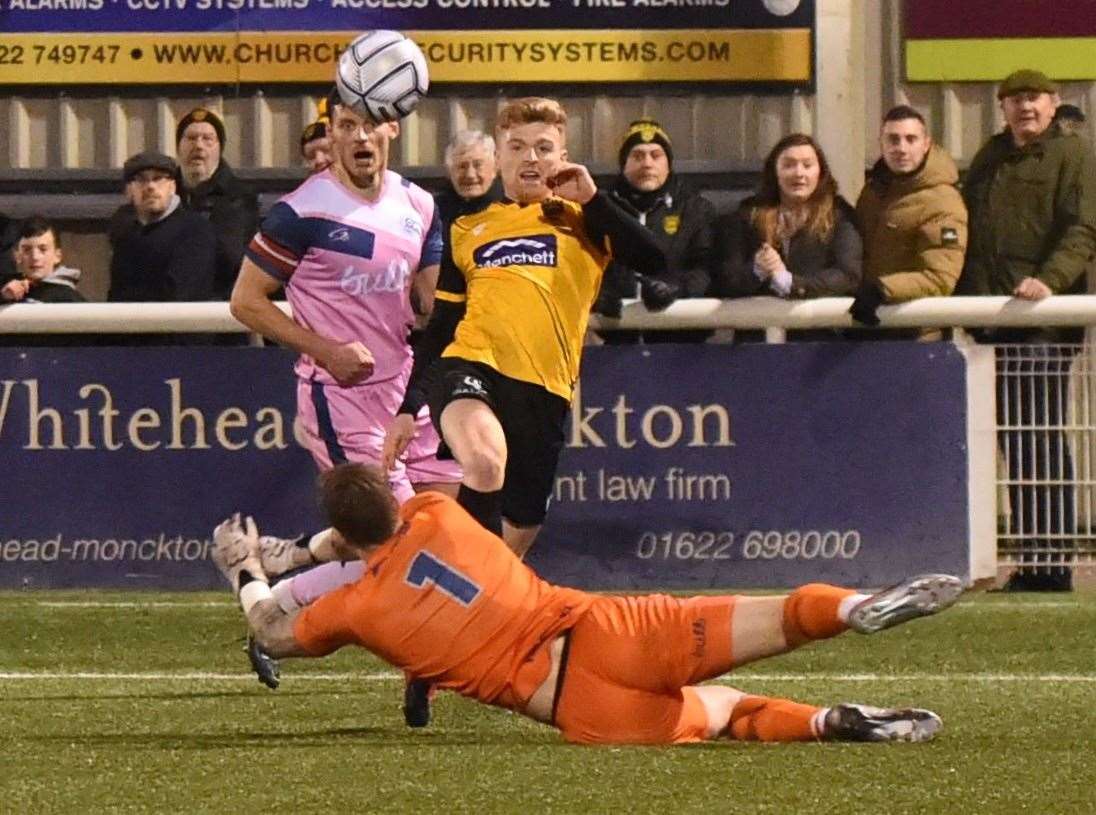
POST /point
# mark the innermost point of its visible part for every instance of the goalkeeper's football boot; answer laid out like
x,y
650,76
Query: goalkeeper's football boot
x,y
916,597
265,666
416,702
851,722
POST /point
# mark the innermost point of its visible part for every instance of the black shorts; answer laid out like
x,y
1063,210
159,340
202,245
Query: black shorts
x,y
532,420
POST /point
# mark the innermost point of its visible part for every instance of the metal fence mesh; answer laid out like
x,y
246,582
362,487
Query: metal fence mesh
x,y
1046,439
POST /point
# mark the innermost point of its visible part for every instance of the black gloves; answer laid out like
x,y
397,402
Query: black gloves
x,y
618,283
869,298
657,294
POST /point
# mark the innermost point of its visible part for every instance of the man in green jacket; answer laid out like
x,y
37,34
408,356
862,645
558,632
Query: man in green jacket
x,y
1031,193
912,218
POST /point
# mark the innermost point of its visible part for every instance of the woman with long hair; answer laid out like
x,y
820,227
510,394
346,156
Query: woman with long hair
x,y
796,237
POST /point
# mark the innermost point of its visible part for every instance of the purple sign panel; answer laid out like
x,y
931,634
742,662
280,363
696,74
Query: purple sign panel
x,y
762,465
686,467
119,462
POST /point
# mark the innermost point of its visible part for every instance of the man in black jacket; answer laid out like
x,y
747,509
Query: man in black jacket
x,y
161,251
8,237
211,189
680,221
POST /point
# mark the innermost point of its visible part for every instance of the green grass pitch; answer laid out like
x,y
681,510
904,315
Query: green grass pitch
x,y
127,702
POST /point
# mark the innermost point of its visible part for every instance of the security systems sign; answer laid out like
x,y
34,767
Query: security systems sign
x,y
468,41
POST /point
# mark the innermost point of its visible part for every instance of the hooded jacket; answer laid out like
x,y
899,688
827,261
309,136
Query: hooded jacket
x,y
59,286
914,228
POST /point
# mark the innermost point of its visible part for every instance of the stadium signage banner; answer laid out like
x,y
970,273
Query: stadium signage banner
x,y
947,41
755,466
467,41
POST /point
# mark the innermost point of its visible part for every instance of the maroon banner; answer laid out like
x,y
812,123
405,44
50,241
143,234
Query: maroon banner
x,y
982,19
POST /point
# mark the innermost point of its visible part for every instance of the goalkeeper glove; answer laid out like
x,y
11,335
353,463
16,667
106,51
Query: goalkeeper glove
x,y
236,552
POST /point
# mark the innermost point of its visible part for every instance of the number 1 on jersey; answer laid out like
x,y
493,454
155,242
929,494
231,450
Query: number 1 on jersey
x,y
426,568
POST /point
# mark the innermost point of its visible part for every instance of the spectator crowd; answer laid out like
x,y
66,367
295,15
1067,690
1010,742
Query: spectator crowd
x,y
187,219
1023,224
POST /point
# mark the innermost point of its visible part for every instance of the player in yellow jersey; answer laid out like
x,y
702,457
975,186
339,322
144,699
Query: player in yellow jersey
x,y
510,312
446,601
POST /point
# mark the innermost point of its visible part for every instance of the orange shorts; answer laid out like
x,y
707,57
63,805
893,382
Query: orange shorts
x,y
629,661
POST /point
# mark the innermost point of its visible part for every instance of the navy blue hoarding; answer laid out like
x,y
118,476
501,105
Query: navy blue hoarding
x,y
686,466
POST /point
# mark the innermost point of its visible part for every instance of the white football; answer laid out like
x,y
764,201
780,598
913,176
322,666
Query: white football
x,y
382,75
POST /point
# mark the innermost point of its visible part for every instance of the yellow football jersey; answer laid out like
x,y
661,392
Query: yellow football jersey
x,y
528,280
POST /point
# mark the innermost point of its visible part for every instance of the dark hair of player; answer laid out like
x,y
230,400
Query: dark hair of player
x,y
359,503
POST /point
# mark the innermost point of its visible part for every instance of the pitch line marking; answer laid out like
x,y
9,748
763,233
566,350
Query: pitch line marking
x,y
127,604
388,676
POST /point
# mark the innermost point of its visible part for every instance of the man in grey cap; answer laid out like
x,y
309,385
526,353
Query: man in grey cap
x,y
161,251
1031,195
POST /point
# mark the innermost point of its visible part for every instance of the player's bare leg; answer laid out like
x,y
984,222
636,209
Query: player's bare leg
x,y
519,538
475,437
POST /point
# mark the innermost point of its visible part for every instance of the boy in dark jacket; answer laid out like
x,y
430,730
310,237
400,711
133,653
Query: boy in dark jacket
x,y
41,276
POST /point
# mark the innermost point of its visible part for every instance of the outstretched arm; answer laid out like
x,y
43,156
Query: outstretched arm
x,y
273,629
236,555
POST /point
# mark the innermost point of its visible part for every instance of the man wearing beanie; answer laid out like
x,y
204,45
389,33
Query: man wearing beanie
x,y
316,147
160,250
211,188
1031,194
681,222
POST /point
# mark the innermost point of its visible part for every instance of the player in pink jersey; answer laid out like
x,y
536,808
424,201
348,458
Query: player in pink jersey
x,y
354,246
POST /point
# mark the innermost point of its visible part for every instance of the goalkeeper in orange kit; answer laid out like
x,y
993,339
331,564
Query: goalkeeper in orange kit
x,y
449,603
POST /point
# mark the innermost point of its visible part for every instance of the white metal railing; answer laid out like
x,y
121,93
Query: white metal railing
x,y
1046,395
701,313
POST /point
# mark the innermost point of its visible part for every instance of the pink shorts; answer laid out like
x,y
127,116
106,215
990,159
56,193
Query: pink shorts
x,y
347,424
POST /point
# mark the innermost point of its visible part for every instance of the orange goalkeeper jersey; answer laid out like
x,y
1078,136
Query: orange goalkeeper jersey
x,y
447,601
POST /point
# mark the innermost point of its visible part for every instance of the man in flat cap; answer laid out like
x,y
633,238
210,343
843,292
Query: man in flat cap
x,y
161,251
1031,195
681,221
211,188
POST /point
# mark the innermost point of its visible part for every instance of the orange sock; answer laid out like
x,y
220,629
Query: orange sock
x,y
759,718
811,613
